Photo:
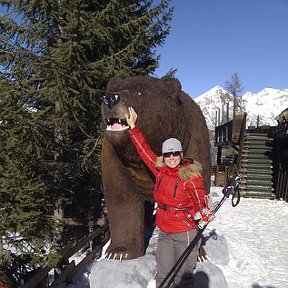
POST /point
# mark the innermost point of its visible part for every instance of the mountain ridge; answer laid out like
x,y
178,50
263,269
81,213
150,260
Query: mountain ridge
x,y
261,107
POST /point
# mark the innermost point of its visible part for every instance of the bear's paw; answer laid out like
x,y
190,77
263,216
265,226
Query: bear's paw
x,y
122,253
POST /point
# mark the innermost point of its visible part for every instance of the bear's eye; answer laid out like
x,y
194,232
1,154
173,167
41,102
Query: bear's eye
x,y
138,93
105,100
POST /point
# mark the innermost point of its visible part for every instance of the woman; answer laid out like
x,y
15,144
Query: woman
x,y
179,193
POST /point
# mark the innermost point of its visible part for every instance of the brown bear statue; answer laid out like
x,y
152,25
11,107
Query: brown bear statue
x,y
164,111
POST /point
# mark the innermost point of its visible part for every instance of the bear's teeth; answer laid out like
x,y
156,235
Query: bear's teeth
x,y
116,128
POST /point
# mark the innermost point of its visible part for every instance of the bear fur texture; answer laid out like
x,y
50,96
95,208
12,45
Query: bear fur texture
x,y
164,111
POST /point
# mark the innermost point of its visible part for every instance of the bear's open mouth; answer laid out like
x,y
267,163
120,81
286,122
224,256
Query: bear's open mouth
x,y
116,124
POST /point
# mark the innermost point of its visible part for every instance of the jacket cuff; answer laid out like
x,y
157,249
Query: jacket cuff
x,y
133,130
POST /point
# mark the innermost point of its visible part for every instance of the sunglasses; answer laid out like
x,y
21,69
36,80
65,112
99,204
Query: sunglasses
x,y
169,154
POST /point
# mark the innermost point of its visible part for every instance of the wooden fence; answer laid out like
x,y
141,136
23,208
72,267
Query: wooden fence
x,y
282,185
281,166
99,238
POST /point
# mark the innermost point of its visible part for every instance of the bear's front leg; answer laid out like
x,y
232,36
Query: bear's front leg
x,y
125,207
126,218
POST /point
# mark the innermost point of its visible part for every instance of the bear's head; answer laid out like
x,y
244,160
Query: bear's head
x,y
155,101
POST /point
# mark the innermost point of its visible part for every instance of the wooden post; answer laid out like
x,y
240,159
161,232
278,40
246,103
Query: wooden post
x,y
258,121
286,187
227,111
219,154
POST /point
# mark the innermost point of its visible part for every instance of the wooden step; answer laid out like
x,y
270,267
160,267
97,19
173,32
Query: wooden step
x,y
256,167
253,163
256,171
254,145
255,150
255,156
256,188
256,176
256,134
256,194
257,182
258,137
256,161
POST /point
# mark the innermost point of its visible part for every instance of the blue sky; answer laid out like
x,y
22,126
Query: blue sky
x,y
212,39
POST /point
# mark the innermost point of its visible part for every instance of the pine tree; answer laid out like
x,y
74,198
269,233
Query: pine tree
x,y
56,58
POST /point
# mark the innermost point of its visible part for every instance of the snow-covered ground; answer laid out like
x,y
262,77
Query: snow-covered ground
x,y
246,244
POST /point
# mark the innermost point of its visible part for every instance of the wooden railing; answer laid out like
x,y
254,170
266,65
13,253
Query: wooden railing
x,y
241,140
231,133
223,133
99,238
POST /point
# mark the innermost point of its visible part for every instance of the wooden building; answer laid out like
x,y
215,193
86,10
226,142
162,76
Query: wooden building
x,y
258,154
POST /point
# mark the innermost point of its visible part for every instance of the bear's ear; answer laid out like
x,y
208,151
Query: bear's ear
x,y
113,80
172,86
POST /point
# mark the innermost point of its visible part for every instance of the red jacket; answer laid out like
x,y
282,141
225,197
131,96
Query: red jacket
x,y
179,192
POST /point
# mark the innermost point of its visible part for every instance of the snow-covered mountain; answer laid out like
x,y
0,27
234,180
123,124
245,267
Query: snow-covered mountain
x,y
266,104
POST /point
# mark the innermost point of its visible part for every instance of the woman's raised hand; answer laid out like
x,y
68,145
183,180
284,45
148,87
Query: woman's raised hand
x,y
131,118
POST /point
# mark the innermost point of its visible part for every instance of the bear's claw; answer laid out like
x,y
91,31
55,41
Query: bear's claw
x,y
116,256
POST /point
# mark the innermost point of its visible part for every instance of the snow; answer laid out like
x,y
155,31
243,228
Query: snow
x,y
246,245
263,106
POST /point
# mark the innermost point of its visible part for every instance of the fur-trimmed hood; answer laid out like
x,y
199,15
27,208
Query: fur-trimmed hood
x,y
188,168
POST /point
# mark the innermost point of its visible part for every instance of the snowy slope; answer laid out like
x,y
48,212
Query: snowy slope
x,y
247,246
